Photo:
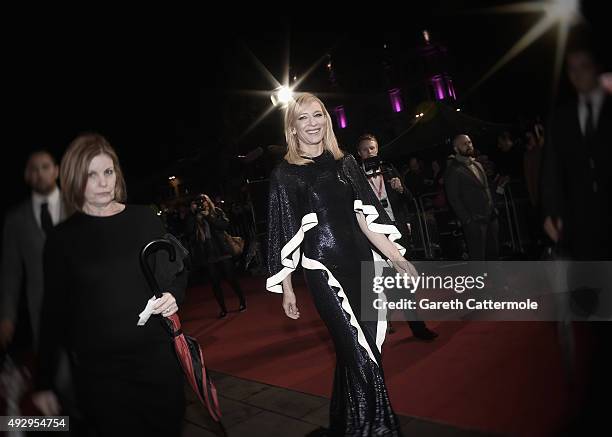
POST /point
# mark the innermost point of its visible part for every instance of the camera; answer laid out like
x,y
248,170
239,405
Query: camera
x,y
372,166
199,204
375,166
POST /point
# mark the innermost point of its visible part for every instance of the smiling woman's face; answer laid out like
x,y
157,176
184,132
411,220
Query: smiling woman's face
x,y
310,124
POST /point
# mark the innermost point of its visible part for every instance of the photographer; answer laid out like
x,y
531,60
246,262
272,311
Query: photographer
x,y
212,251
386,183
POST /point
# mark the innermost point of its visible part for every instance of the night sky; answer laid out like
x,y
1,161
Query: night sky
x,y
173,101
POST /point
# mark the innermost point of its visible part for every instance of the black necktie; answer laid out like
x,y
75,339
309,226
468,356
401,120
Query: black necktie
x,y
589,127
45,218
589,135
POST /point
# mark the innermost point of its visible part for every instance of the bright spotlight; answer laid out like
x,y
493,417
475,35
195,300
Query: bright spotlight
x,y
281,96
563,10
560,13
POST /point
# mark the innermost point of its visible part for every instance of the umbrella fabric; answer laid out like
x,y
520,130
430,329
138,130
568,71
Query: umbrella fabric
x,y
188,351
191,358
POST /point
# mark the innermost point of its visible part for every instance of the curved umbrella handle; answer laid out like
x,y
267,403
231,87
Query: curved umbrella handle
x,y
149,249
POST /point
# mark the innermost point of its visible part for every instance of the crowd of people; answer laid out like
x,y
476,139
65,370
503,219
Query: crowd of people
x,y
75,251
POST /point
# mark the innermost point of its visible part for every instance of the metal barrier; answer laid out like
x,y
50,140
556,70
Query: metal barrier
x,y
505,202
257,196
431,247
428,240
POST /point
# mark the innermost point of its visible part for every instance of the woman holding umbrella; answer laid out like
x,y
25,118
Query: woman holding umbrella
x,y
128,378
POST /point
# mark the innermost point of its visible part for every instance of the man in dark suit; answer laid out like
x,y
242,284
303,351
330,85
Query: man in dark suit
x,y
467,190
386,183
575,192
23,239
576,168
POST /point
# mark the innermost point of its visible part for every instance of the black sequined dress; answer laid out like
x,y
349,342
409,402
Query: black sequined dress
x,y
312,220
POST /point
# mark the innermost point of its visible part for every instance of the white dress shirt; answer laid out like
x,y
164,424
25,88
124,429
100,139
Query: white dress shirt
x,y
378,186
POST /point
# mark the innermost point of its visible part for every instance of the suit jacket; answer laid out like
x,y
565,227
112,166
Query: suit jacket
x,y
469,198
568,177
22,248
399,201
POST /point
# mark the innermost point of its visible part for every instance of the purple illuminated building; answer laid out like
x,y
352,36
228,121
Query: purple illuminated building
x,y
395,97
341,117
439,82
339,109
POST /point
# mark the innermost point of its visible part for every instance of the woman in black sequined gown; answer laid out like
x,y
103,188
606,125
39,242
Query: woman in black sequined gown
x,y
323,214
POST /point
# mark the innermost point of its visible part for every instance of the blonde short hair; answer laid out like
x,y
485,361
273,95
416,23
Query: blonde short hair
x,y
366,137
330,142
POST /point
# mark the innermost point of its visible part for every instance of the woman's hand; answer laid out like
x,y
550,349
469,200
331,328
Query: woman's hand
x,y
290,306
403,266
165,305
46,402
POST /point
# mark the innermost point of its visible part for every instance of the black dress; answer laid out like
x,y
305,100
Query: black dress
x,y
128,379
312,217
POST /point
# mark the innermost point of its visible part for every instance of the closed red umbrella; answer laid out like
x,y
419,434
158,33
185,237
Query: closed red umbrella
x,y
188,351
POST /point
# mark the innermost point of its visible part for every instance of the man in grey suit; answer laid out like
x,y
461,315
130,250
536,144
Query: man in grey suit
x,y
23,239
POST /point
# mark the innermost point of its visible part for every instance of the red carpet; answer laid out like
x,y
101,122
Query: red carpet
x,y
501,377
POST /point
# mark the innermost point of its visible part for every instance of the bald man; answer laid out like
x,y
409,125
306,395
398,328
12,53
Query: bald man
x,y
467,190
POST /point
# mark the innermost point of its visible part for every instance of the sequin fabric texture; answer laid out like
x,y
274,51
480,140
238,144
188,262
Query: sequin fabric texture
x,y
312,222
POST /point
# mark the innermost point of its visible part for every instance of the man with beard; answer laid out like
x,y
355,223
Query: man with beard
x,y
467,190
25,229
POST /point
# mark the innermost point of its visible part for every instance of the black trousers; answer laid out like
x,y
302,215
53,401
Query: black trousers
x,y
482,240
215,271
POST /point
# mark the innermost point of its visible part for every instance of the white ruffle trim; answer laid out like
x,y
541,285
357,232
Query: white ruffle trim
x,y
371,214
290,254
290,258
312,264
